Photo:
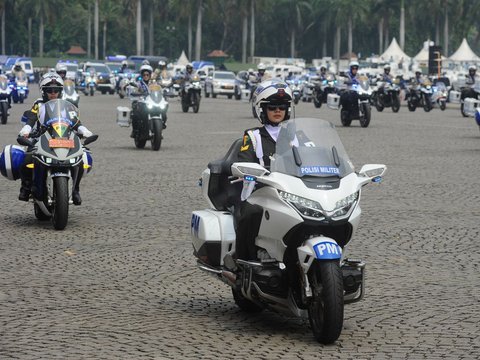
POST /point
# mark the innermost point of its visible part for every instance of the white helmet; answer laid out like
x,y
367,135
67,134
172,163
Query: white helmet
x,y
386,67
162,63
50,80
261,66
353,63
61,67
273,91
145,62
472,67
124,62
144,68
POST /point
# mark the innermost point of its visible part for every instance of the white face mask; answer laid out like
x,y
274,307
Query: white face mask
x,y
273,131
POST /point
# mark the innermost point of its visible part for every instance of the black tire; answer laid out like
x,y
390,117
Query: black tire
x,y
427,106
21,98
464,114
345,118
238,94
121,95
60,202
104,92
184,106
367,114
379,107
395,103
92,91
39,213
443,105
411,106
196,103
317,103
230,96
4,110
157,135
140,144
111,92
214,95
245,304
325,312
296,100
207,94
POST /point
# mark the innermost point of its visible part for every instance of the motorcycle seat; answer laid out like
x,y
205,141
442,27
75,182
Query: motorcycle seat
x,y
221,191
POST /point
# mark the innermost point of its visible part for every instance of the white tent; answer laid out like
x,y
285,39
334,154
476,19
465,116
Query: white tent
x,y
464,53
422,55
394,53
183,60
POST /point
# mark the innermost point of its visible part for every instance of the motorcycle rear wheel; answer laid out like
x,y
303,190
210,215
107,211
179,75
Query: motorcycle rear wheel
x,y
245,304
325,311
60,203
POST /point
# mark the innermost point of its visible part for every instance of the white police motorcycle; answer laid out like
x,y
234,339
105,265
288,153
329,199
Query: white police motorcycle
x,y
310,200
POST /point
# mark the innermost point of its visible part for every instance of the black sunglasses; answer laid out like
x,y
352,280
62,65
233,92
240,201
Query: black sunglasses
x,y
281,107
52,90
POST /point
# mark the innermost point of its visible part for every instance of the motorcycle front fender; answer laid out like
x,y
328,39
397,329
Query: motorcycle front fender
x,y
319,248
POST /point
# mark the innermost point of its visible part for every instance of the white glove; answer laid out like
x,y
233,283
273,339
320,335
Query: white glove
x,y
83,131
25,131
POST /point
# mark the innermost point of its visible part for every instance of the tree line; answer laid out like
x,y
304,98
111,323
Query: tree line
x,y
242,28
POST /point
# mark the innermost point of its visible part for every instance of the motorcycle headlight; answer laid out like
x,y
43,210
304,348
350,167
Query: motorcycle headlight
x,y
343,207
306,207
163,105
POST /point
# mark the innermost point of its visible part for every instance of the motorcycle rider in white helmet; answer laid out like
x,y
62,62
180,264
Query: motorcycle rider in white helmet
x,y
273,104
349,98
470,81
51,87
61,70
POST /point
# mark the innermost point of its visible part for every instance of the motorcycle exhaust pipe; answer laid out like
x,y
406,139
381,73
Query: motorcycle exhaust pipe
x,y
227,277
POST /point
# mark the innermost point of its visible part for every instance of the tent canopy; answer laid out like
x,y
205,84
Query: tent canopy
x,y
464,53
183,60
394,53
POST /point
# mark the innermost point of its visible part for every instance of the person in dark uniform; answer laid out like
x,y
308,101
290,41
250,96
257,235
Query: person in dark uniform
x,y
273,105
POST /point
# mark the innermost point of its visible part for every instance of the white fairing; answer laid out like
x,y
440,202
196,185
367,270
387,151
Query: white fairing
x,y
213,226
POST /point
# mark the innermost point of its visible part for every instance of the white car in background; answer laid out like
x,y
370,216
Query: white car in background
x,y
220,83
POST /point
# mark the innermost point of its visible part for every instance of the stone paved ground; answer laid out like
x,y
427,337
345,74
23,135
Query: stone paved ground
x,y
120,281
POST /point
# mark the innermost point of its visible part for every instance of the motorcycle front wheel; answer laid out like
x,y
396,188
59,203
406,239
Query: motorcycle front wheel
x,y
184,104
464,114
196,103
395,103
140,143
367,114
443,105
60,203
411,106
4,112
157,135
325,311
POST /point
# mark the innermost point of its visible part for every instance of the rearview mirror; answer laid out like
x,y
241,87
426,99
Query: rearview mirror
x,y
240,169
373,171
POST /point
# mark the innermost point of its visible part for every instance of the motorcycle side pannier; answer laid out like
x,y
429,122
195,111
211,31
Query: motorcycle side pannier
x,y
470,105
333,101
454,97
213,235
11,161
123,116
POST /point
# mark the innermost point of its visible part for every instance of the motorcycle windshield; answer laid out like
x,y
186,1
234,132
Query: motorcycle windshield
x,y
58,117
69,87
155,92
21,78
3,84
310,147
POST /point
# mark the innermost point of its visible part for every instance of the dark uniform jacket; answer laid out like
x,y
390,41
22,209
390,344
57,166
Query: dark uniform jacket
x,y
247,152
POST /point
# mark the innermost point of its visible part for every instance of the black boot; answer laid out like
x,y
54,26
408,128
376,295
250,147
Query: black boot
x,y
24,191
76,198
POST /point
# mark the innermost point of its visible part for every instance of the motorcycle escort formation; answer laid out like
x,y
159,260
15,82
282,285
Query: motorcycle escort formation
x,y
4,96
57,153
150,113
19,88
191,94
69,92
310,200
364,114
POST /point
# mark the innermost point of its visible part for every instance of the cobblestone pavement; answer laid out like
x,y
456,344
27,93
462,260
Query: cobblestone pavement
x,y
120,282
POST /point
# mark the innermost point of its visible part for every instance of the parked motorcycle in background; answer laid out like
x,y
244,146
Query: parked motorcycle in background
x,y
191,94
310,200
69,92
347,112
5,93
439,95
150,112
